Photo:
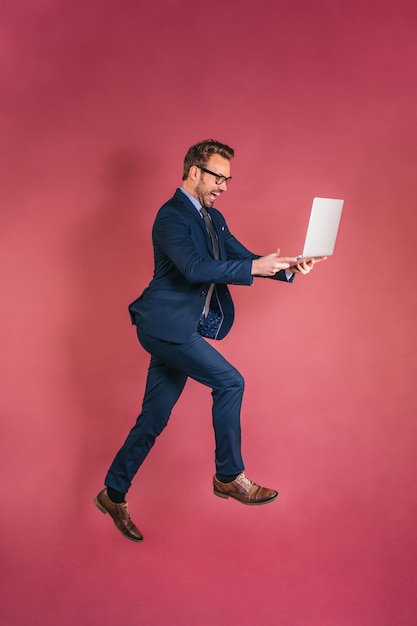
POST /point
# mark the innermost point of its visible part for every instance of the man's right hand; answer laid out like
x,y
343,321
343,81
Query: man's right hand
x,y
271,264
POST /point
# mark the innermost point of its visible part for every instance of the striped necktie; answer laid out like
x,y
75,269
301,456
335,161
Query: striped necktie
x,y
216,252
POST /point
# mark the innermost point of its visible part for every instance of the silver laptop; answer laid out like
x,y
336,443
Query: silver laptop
x,y
322,228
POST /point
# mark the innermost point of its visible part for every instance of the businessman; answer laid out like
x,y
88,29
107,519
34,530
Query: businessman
x,y
196,257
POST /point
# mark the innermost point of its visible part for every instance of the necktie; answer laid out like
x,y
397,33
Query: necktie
x,y
215,243
212,231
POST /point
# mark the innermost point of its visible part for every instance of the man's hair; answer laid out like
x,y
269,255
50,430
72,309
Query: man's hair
x,y
200,153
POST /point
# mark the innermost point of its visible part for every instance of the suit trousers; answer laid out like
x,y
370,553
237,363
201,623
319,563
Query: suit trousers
x,y
171,364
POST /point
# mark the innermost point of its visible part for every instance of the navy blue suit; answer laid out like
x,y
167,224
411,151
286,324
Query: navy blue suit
x,y
171,326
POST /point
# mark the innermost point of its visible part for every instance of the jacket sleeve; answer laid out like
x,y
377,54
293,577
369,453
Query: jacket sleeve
x,y
173,238
237,250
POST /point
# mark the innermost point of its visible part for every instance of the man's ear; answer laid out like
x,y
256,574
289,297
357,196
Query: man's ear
x,y
193,173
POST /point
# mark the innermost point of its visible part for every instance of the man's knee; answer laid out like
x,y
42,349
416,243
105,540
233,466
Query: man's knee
x,y
236,380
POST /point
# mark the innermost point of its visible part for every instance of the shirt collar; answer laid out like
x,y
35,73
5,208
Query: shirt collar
x,y
195,202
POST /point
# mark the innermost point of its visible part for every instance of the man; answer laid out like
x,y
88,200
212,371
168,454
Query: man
x,y
196,257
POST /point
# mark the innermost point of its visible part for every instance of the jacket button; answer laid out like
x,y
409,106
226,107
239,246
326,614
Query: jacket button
x,y
203,293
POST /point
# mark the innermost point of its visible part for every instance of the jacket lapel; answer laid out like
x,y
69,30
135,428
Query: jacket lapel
x,y
179,195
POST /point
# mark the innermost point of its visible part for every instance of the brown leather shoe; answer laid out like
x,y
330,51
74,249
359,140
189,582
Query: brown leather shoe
x,y
244,490
120,515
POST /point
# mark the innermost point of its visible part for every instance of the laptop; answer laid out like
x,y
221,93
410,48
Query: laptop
x,y
322,228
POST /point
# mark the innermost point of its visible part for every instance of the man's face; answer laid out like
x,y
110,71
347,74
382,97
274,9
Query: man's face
x,y
206,190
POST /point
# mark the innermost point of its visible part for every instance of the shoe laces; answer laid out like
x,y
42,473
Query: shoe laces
x,y
124,510
244,480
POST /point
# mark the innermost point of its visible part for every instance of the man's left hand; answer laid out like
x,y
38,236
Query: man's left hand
x,y
305,267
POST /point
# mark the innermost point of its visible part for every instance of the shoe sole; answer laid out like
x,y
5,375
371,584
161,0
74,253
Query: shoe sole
x,y
105,511
226,497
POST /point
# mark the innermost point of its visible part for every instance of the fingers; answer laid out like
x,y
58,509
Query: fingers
x,y
273,263
283,266
304,268
290,260
281,263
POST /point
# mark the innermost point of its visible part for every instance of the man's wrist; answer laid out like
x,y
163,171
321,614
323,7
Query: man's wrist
x,y
289,274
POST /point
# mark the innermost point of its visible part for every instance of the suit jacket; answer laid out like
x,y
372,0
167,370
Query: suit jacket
x,y
171,306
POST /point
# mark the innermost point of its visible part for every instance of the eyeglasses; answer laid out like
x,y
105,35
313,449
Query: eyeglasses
x,y
219,178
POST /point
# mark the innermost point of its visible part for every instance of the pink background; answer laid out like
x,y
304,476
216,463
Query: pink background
x,y
100,101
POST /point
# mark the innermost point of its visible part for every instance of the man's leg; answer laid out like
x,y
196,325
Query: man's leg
x,y
198,359
163,388
171,364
